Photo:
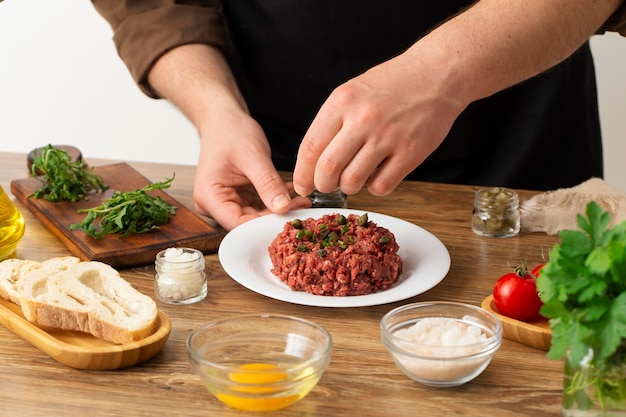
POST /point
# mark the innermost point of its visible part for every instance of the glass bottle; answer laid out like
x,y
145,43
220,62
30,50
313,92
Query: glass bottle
x,y
496,212
11,225
180,277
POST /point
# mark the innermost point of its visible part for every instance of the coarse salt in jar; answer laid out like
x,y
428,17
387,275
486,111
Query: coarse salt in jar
x,y
496,212
180,277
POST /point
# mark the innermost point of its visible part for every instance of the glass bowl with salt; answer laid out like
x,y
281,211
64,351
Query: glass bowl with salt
x,y
440,343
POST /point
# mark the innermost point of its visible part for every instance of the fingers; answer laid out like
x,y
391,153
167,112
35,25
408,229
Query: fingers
x,y
323,129
353,133
272,190
344,159
387,176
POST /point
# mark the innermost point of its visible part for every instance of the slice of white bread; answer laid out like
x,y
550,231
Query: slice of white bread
x,y
12,270
91,297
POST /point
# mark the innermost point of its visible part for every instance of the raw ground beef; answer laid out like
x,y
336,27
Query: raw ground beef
x,y
358,260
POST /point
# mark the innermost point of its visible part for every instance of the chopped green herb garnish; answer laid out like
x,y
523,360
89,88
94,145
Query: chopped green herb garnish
x,y
339,233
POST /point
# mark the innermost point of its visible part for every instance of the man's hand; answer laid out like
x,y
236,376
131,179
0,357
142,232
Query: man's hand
x,y
235,178
374,130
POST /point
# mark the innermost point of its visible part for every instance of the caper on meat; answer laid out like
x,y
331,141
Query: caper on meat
x,y
302,247
363,220
341,219
384,239
297,224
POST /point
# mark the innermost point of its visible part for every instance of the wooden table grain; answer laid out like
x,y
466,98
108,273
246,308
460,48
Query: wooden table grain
x,y
361,380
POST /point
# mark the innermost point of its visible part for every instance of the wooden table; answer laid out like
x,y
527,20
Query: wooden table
x,y
362,379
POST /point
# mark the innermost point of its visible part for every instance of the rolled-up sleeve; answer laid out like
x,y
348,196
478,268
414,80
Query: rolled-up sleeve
x,y
617,22
143,30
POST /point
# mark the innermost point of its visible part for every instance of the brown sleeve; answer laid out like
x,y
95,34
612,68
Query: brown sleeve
x,y
617,22
143,30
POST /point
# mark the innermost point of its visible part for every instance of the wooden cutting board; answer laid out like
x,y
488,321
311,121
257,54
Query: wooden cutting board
x,y
185,228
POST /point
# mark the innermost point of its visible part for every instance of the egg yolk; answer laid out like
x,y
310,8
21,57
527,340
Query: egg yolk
x,y
267,374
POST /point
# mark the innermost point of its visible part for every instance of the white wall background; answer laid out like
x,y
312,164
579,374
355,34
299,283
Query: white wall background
x,y
62,82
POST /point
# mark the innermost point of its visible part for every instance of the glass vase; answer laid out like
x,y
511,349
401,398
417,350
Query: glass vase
x,y
595,390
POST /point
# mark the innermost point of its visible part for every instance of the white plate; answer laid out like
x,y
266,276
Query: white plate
x,y
244,256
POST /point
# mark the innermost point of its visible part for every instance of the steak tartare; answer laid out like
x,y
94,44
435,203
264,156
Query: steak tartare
x,y
336,256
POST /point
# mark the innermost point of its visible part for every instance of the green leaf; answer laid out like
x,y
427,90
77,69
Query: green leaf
x,y
63,179
612,328
583,288
128,212
599,260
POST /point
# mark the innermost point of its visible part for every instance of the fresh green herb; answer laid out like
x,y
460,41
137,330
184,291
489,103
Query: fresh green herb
x,y
304,233
130,212
63,179
583,289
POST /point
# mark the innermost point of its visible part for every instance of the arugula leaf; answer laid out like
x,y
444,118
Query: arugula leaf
x,y
63,179
131,212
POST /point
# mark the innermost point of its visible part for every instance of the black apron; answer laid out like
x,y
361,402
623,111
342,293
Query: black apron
x,y
289,55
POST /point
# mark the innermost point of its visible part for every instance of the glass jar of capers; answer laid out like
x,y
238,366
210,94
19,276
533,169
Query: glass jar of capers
x,y
496,212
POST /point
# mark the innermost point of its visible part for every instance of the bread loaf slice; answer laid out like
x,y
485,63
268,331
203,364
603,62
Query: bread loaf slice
x,y
12,270
91,297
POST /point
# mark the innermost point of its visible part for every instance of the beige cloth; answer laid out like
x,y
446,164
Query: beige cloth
x,y
553,211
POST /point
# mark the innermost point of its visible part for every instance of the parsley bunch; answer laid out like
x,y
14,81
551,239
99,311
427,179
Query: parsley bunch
x,y
583,289
62,178
130,212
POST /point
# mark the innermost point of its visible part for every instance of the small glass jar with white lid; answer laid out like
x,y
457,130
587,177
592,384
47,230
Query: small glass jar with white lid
x,y
180,276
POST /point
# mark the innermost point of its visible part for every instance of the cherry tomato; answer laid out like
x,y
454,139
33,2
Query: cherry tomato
x,y
515,294
537,270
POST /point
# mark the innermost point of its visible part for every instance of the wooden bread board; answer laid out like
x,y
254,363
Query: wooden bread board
x,y
535,332
82,350
185,228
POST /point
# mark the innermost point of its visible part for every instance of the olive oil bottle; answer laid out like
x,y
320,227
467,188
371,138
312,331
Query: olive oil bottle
x,y
11,226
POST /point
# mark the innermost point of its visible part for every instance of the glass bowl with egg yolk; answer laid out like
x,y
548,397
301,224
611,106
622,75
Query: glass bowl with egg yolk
x,y
260,362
